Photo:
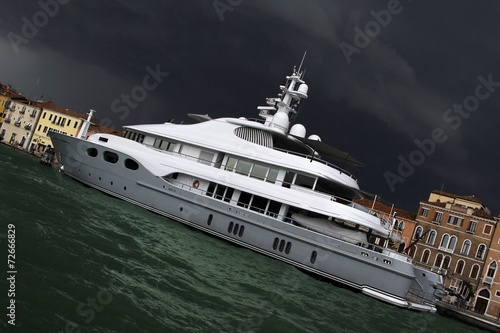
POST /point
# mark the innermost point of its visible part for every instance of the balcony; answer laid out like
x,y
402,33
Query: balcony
x,y
458,208
488,280
7,120
439,270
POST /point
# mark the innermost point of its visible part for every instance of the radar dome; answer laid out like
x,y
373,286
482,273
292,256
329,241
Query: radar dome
x,y
298,130
302,91
314,137
280,121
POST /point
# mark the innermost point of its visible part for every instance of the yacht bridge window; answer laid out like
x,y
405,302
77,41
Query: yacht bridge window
x,y
254,170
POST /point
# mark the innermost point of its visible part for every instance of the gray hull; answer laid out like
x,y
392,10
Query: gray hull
x,y
386,275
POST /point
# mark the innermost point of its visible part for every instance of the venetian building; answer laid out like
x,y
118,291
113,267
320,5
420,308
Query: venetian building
x,y
455,233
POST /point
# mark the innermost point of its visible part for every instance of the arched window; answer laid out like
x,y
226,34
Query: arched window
x,y
492,269
474,271
432,237
418,232
413,252
452,243
460,266
446,262
439,260
425,256
444,241
465,247
480,251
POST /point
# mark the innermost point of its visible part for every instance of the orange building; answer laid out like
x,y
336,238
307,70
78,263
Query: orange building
x,y
403,221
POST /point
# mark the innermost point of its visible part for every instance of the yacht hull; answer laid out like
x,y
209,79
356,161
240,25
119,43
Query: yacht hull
x,y
387,276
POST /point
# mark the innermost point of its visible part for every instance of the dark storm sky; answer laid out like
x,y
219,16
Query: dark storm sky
x,y
381,75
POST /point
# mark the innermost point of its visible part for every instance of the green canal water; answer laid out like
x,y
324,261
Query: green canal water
x,y
87,262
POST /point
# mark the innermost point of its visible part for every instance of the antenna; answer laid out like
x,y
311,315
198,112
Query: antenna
x,y
305,52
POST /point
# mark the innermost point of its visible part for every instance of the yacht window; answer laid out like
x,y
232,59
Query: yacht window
x,y
272,176
259,204
220,191
243,167
164,145
288,179
244,199
131,164
92,152
305,181
211,189
110,157
259,171
206,158
231,163
274,208
229,194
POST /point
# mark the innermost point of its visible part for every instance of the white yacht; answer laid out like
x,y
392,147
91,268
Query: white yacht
x,y
261,184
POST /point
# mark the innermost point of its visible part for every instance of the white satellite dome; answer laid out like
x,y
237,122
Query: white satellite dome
x,y
298,130
280,121
314,137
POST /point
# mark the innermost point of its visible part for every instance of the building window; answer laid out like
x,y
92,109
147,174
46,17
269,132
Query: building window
x,y
439,260
425,256
69,122
472,227
492,269
424,212
455,220
418,233
44,114
460,267
437,217
480,251
465,247
487,229
432,237
50,117
448,243
474,271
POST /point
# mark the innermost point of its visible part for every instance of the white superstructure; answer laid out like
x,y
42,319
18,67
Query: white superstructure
x,y
261,184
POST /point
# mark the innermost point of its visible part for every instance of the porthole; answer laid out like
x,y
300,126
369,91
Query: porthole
x,y
92,152
314,255
110,157
275,244
124,188
181,209
288,247
230,228
111,183
282,245
236,228
131,164
242,229
209,221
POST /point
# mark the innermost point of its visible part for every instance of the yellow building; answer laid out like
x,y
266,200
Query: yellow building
x,y
6,95
54,118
